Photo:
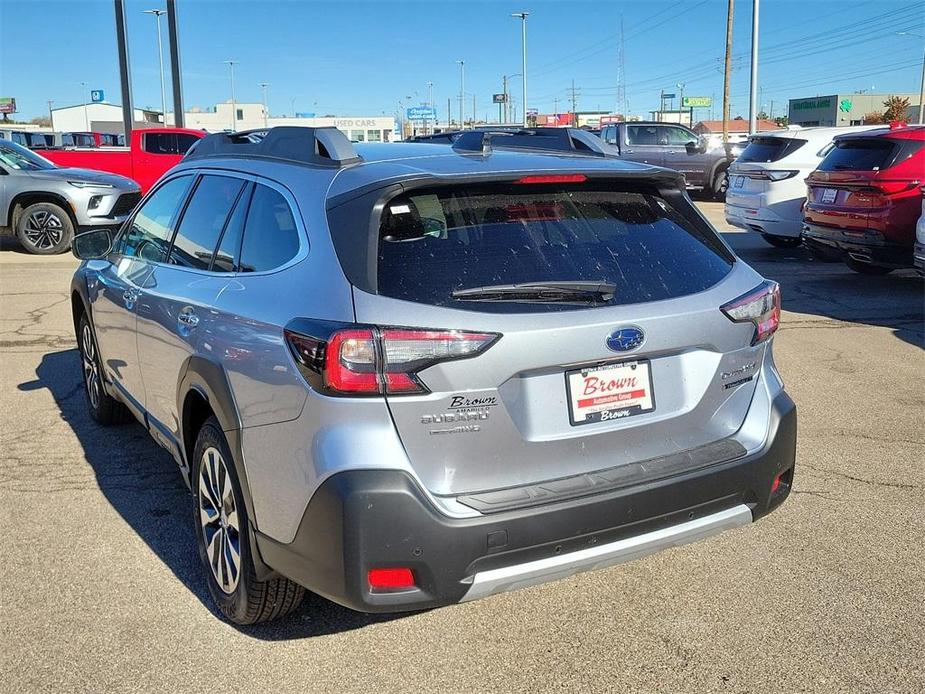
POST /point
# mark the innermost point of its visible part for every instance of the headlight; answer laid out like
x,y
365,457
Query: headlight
x,y
90,184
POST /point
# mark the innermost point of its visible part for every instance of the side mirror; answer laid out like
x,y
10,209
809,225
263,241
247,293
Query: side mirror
x,y
92,245
698,146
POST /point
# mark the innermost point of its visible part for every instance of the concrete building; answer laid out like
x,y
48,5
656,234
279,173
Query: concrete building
x,y
839,109
107,118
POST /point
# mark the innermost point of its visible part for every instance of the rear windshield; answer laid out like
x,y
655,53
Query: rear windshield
x,y
860,155
767,149
433,242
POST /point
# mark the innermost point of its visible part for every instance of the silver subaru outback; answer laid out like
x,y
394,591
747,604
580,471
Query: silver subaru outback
x,y
408,375
45,205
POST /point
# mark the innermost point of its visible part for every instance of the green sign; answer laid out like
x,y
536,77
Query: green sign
x,y
845,105
697,102
810,103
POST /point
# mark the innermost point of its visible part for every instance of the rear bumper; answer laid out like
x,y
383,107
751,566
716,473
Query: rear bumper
x,y
364,519
761,220
868,247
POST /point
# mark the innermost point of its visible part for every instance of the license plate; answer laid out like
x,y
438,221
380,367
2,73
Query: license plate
x,y
610,391
738,182
829,195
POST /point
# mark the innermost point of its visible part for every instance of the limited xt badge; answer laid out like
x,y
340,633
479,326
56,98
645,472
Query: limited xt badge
x,y
737,377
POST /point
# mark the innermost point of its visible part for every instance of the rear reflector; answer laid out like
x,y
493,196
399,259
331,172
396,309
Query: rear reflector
x,y
390,579
554,178
761,307
776,484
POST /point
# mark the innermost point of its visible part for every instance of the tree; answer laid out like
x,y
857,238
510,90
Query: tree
x,y
873,118
43,121
762,115
782,121
895,108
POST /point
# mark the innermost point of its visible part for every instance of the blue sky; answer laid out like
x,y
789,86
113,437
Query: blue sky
x,y
361,58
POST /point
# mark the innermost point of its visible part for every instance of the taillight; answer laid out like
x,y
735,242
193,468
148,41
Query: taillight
x,y
769,174
376,361
553,178
761,307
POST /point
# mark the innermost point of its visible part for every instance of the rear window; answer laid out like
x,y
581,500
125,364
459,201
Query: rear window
x,y
168,143
433,242
860,155
764,150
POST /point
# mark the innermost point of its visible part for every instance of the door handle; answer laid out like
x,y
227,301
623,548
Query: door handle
x,y
188,318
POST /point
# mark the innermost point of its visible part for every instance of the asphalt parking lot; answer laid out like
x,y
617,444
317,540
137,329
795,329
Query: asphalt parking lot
x,y
100,586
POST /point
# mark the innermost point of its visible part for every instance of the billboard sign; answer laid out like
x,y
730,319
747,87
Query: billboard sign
x,y
97,96
7,104
697,102
421,113
499,98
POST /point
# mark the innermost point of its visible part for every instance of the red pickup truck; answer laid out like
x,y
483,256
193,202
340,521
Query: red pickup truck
x,y
151,154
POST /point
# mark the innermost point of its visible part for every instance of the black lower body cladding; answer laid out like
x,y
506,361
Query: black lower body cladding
x,y
365,519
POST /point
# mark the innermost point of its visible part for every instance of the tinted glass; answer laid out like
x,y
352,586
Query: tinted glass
x,y
226,258
149,233
677,136
168,143
642,134
432,243
859,155
271,237
767,149
203,221
18,157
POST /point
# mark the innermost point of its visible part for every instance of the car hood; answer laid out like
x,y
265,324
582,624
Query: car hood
x,y
88,175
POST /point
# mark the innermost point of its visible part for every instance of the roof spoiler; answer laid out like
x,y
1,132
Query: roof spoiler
x,y
316,146
570,140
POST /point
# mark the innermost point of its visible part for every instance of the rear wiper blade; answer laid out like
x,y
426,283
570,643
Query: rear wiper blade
x,y
541,292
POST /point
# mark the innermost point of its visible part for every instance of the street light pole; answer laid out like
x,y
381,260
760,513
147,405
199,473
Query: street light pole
x,y
234,115
430,104
83,88
263,86
753,93
160,59
462,90
51,118
922,88
523,25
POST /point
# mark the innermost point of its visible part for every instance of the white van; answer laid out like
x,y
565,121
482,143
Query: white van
x,y
767,181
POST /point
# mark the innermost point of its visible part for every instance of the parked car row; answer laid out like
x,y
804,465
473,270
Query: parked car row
x,y
846,193
35,139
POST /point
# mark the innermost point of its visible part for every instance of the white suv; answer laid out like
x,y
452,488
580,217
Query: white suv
x,y
767,181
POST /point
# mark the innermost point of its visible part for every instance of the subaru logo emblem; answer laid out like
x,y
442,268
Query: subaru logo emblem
x,y
625,339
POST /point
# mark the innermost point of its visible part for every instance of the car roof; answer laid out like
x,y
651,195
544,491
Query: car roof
x,y
903,132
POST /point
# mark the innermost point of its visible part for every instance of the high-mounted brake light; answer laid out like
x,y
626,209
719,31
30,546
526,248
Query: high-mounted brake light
x,y
376,361
553,178
761,307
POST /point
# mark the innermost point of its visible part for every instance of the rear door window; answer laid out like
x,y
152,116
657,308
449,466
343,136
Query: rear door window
x,y
870,154
204,220
168,143
434,242
271,237
642,134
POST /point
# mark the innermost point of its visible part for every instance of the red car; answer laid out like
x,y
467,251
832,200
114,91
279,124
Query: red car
x,y
151,154
863,200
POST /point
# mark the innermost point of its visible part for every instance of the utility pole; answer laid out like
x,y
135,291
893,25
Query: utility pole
x,y
462,91
523,21
574,106
504,89
555,108
83,89
449,112
473,111
922,88
430,104
234,115
753,92
680,86
621,75
727,73
51,120
263,86
160,59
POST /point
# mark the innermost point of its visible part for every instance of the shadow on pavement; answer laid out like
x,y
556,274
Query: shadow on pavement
x,y
142,483
831,290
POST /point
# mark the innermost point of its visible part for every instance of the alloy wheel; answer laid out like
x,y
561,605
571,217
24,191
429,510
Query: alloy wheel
x,y
218,516
91,368
44,230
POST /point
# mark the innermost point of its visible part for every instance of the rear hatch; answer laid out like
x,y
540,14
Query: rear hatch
x,y
756,170
596,308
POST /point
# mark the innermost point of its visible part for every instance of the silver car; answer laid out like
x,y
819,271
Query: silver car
x,y
45,205
403,376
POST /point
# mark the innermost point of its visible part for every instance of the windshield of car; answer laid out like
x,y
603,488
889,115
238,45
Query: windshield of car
x,y
435,244
764,150
22,159
868,154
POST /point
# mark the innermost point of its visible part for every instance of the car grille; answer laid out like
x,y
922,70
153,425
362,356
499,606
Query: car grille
x,y
125,204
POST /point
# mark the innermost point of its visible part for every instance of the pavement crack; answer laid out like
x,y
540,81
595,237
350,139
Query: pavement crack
x,y
853,478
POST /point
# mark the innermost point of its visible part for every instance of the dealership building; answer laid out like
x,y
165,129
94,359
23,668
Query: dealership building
x,y
107,118
839,109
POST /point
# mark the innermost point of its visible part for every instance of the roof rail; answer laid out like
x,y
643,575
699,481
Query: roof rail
x,y
316,146
571,140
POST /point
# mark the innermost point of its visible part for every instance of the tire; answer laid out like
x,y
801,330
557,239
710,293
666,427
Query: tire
x,y
45,229
783,241
720,184
867,268
222,526
104,409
